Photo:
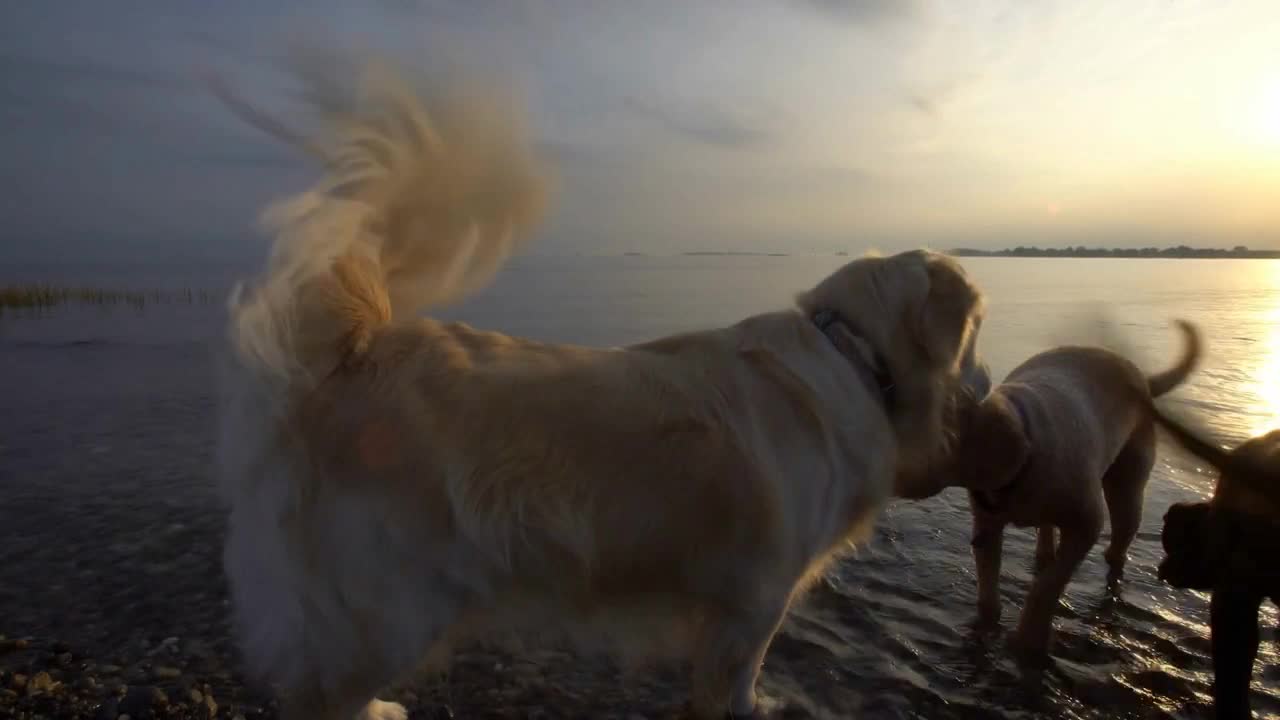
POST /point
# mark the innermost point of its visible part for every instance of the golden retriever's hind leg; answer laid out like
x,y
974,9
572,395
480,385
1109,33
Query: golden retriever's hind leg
x,y
350,699
1045,547
1035,625
343,693
1124,487
728,660
347,709
377,709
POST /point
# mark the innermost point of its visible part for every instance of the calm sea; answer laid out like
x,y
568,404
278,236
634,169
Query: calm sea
x,y
119,397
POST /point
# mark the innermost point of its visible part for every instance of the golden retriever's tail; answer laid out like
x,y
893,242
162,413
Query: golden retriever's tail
x,y
1163,382
422,198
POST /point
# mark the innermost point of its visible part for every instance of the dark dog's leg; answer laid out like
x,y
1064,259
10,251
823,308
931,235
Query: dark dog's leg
x,y
1234,631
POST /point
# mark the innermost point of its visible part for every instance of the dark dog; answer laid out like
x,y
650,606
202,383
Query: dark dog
x,y
1229,545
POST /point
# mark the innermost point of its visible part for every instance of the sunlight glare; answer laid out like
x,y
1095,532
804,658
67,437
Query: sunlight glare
x,y
1268,119
1266,383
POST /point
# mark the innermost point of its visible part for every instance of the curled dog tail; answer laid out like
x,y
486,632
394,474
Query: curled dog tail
x,y
1163,382
422,198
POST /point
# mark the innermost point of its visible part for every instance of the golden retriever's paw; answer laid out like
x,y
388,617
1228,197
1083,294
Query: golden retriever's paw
x,y
382,710
762,711
1029,651
1115,568
759,713
1115,579
772,708
988,619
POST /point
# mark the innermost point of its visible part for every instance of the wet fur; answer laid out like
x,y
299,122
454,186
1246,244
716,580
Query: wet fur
x,y
1061,443
398,484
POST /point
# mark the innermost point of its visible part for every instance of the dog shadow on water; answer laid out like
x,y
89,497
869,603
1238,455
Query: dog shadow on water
x,y
1085,660
995,674
1114,652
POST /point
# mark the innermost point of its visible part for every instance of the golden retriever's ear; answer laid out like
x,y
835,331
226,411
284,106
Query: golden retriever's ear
x,y
951,312
997,446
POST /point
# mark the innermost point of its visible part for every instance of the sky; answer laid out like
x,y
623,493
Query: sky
x,y
753,125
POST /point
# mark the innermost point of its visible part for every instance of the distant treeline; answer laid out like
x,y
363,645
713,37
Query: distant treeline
x,y
1181,251
46,296
695,253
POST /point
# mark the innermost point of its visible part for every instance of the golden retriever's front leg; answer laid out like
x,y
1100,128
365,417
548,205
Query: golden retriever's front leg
x,y
1045,547
727,663
1035,626
988,542
346,700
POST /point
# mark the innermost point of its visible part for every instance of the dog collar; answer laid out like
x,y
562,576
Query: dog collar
x,y
1020,411
992,501
866,361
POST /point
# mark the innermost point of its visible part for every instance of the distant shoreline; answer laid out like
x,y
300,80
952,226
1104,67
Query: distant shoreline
x,y
1181,252
697,253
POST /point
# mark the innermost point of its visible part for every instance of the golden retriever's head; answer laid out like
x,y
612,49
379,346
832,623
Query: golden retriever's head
x,y
920,312
975,374
990,448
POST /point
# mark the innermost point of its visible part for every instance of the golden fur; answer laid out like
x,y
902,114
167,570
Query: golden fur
x,y
398,482
1063,442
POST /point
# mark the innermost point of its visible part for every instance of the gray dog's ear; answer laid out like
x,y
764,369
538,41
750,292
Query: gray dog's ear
x,y
951,312
997,446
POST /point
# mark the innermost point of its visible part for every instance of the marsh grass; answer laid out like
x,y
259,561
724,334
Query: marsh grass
x,y
20,297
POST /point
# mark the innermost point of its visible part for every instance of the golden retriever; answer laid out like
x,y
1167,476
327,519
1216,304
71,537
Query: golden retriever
x,y
397,482
1063,436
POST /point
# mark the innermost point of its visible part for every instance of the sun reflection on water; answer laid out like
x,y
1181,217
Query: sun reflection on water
x,y
1263,385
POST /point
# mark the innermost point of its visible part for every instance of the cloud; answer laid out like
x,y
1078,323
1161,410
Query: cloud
x,y
34,72
670,122
85,96
258,156
707,124
468,12
932,101
863,11
925,103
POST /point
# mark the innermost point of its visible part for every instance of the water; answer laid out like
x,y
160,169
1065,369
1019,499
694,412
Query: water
x,y
112,409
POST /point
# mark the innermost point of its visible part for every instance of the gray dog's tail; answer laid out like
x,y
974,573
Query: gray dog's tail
x,y
1163,382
